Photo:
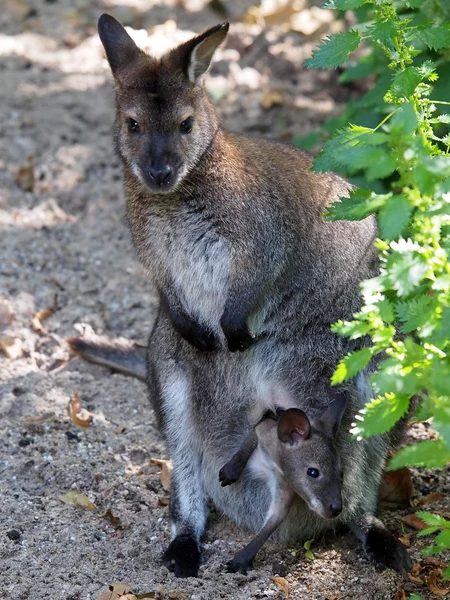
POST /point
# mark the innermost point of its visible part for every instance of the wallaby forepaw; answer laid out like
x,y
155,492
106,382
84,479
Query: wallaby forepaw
x,y
201,338
228,475
183,557
238,566
384,549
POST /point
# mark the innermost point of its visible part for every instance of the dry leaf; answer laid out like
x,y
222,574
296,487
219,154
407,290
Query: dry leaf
x,y
176,595
282,584
78,499
127,597
44,418
433,584
434,497
434,562
164,501
79,415
6,312
414,521
272,98
396,489
25,175
120,430
11,347
415,579
165,474
108,514
337,596
115,591
43,314
406,539
400,595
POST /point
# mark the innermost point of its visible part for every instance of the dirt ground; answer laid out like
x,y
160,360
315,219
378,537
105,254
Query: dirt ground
x,y
63,244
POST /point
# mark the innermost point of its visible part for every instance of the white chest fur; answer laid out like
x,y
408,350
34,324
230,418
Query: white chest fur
x,y
197,262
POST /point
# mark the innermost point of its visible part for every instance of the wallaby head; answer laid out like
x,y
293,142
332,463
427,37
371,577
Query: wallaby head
x,y
164,121
309,458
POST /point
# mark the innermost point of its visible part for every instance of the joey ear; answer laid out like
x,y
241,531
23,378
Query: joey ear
x,y
330,420
196,54
293,426
119,47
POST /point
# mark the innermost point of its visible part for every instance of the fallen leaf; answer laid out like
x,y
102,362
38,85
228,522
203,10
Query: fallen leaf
x,y
337,596
44,314
434,562
127,597
120,430
148,595
11,347
78,499
406,539
79,415
176,595
433,497
282,584
272,98
415,579
44,418
433,584
396,489
165,474
115,591
414,521
164,501
400,595
6,312
108,514
25,176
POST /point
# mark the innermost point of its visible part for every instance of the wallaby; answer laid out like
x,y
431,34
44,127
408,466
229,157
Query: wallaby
x,y
297,456
231,231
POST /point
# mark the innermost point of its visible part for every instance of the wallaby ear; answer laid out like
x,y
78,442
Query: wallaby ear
x,y
120,49
330,420
293,426
196,54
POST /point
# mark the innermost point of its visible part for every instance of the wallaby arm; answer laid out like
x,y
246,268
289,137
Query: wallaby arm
x,y
194,333
278,511
232,470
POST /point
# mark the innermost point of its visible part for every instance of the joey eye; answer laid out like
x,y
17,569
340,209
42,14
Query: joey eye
x,y
132,125
186,125
313,473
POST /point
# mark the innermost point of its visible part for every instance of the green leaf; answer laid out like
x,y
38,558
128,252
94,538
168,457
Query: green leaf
x,y
427,531
394,217
384,33
351,329
404,122
344,4
427,453
406,272
435,37
405,82
433,520
380,415
334,51
307,548
414,313
351,365
414,4
359,205
446,573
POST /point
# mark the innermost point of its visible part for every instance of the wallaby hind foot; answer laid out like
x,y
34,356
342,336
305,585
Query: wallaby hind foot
x,y
183,557
385,550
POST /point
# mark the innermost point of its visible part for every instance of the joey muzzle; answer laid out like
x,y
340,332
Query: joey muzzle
x,y
160,172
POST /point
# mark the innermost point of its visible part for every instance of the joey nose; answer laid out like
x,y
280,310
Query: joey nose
x,y
160,172
335,509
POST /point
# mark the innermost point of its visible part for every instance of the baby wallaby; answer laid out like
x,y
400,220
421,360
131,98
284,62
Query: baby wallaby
x,y
296,456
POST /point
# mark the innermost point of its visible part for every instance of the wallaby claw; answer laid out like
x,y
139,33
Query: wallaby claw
x,y
238,566
228,475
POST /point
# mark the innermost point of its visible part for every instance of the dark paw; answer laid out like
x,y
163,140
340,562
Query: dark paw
x,y
239,566
228,474
183,557
384,549
201,338
239,336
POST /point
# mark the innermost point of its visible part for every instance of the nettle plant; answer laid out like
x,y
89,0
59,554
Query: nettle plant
x,y
406,310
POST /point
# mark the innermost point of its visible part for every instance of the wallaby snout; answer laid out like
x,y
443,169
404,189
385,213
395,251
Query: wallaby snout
x,y
160,172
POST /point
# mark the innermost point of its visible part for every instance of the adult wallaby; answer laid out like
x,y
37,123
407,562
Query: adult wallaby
x,y
295,455
230,230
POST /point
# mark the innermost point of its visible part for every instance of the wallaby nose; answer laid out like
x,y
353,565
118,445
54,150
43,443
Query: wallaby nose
x,y
335,509
160,172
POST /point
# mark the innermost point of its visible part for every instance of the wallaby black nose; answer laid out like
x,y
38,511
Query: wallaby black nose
x,y
335,509
160,173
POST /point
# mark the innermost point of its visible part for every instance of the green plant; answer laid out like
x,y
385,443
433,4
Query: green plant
x,y
406,310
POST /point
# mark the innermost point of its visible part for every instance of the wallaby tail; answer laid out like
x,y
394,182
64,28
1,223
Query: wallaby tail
x,y
119,354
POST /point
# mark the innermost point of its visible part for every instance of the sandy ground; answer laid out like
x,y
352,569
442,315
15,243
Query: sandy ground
x,y
63,236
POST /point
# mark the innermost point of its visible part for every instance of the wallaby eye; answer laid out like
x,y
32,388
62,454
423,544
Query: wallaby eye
x,y
132,125
186,125
313,473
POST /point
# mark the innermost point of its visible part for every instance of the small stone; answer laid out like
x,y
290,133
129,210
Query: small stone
x,y
13,535
25,442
